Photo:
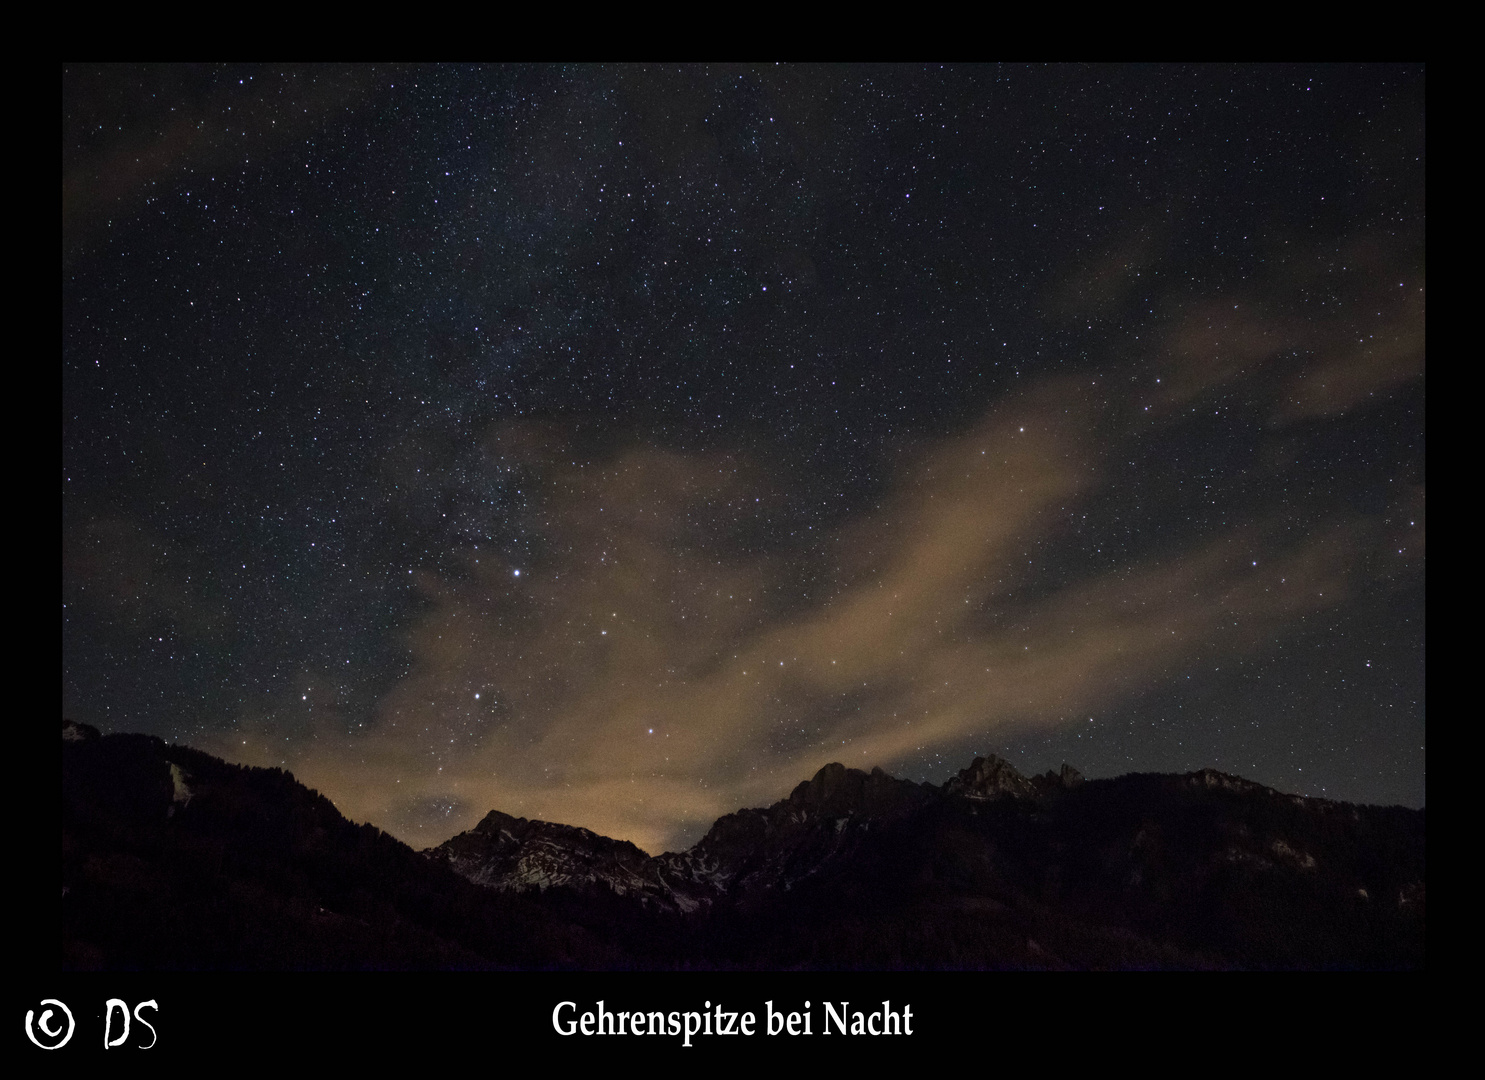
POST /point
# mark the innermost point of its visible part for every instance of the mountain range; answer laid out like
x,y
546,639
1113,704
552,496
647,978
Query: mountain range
x,y
174,859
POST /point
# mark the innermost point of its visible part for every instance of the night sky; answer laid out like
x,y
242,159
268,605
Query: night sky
x,y
618,445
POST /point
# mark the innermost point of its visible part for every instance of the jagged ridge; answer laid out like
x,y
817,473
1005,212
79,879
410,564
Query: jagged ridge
x,y
173,858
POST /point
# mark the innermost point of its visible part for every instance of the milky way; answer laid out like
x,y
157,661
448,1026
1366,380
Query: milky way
x,y
618,445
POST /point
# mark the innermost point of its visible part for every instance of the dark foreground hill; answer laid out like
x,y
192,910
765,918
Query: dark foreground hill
x,y
175,859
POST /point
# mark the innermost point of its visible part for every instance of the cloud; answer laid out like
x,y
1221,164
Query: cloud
x,y
1328,331
668,651
1368,364
644,675
1101,285
113,177
1219,342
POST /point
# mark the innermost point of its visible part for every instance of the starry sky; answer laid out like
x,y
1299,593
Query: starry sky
x,y
618,445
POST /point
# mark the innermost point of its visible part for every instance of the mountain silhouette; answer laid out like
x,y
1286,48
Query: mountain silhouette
x,y
174,859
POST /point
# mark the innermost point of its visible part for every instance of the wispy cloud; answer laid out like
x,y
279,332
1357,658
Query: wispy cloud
x,y
644,677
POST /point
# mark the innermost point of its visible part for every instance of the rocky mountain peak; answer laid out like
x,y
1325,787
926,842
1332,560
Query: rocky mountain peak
x,y
995,778
1211,778
75,732
990,778
508,852
839,791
